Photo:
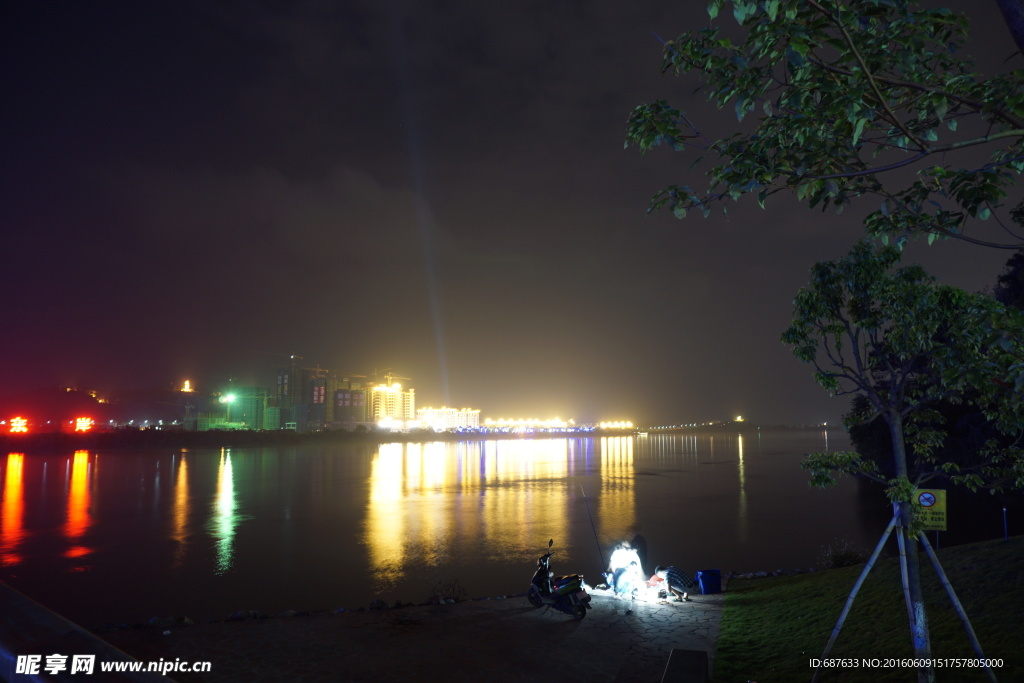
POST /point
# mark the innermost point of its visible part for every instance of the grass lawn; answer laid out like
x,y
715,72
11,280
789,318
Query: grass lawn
x,y
771,627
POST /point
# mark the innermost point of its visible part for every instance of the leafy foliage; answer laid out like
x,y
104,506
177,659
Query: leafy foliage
x,y
846,92
907,345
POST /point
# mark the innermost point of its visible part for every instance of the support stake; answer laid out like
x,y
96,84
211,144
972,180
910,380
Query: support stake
x,y
957,606
853,593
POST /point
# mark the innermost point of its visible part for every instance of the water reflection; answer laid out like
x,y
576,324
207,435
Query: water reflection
x,y
429,475
742,513
385,522
523,495
617,505
224,517
179,519
502,494
78,518
12,531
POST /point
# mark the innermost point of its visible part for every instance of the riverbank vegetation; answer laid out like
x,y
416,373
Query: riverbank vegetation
x,y
771,628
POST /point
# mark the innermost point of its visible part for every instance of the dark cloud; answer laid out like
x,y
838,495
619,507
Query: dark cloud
x,y
200,189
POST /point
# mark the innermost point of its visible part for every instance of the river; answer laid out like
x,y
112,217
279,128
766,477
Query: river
x,y
122,536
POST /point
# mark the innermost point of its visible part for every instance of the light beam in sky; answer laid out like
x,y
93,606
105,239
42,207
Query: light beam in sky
x,y
422,208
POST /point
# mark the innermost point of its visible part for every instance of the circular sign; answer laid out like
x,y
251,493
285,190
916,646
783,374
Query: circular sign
x,y
926,499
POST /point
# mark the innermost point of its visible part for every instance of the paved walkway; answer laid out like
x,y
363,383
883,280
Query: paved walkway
x,y
493,640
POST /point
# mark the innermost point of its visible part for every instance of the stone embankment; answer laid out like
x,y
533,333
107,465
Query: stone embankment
x,y
765,575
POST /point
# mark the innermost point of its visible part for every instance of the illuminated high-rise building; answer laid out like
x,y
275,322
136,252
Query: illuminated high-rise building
x,y
392,401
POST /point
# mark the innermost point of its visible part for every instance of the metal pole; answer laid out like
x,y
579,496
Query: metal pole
x,y
596,540
1006,529
853,593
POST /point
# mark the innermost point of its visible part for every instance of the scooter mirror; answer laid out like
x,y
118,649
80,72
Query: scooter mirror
x,y
550,542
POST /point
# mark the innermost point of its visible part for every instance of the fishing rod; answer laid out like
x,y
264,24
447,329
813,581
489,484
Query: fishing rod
x,y
596,540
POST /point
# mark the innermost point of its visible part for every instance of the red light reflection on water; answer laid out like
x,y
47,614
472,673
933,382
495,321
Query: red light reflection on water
x,y
78,518
12,531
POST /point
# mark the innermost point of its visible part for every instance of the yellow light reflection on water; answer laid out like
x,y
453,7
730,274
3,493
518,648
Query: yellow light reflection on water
x,y
179,529
508,494
224,515
78,518
12,513
617,503
432,475
385,519
518,506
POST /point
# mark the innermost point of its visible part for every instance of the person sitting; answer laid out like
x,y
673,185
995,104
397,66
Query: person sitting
x,y
624,571
628,580
677,582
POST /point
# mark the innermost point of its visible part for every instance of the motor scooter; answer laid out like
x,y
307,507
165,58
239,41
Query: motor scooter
x,y
564,593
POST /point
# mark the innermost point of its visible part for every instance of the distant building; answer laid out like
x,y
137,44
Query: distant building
x,y
391,402
249,407
204,422
301,395
272,415
348,402
444,419
317,418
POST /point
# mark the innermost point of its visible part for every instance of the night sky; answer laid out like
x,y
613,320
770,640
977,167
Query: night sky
x,y
197,190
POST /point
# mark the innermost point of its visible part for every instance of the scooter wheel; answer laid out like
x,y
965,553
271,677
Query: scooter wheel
x,y
533,595
579,610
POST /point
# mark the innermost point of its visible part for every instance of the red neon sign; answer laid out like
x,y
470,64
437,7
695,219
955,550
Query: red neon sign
x,y
83,424
19,425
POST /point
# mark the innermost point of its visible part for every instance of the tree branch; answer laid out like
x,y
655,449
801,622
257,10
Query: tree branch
x,y
867,73
973,104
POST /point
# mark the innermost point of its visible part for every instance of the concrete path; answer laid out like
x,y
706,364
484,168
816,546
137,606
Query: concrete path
x,y
490,640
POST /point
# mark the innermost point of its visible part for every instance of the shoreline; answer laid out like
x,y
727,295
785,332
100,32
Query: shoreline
x,y
380,605
154,438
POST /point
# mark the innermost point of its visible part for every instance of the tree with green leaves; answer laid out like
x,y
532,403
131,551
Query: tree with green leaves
x,y
965,429
907,344
852,98
845,100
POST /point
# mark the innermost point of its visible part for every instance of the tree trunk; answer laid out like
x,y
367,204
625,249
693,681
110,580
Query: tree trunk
x,y
915,606
1013,14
